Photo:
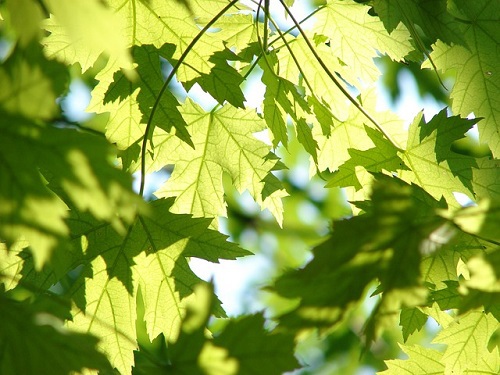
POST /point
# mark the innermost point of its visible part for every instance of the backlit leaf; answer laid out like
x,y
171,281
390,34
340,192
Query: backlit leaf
x,y
466,341
224,143
477,86
421,361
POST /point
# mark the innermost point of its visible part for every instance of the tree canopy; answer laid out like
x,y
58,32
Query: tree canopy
x,y
213,103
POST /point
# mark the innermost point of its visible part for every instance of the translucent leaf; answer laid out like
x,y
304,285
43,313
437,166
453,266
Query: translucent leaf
x,y
72,40
242,347
149,81
352,134
223,82
431,16
486,178
224,142
482,220
421,361
355,37
109,313
467,341
237,30
158,22
11,264
382,157
411,320
30,83
150,256
432,164
477,85
489,364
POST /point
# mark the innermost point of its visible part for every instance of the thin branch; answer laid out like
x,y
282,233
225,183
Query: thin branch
x,y
150,126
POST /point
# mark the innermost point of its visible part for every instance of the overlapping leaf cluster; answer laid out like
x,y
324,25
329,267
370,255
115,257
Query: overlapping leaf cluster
x,y
82,253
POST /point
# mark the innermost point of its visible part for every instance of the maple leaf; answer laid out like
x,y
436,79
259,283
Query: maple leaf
x,y
224,143
105,293
382,157
149,82
481,220
466,341
355,37
75,162
411,320
477,86
432,17
421,361
71,40
36,331
236,30
223,81
30,83
446,250
351,134
238,349
431,162
351,259
158,22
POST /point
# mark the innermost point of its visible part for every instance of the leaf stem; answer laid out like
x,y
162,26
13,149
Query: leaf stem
x,y
420,44
336,81
266,24
150,126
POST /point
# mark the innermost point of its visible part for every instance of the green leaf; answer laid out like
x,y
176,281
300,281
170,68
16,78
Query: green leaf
x,y
356,38
282,92
411,320
352,134
422,361
382,157
109,312
236,30
485,179
323,114
71,40
431,162
224,142
489,364
25,17
432,18
375,245
304,136
477,85
239,349
172,23
30,337
223,82
77,163
466,341
30,83
449,297
254,348
105,293
482,220
149,81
